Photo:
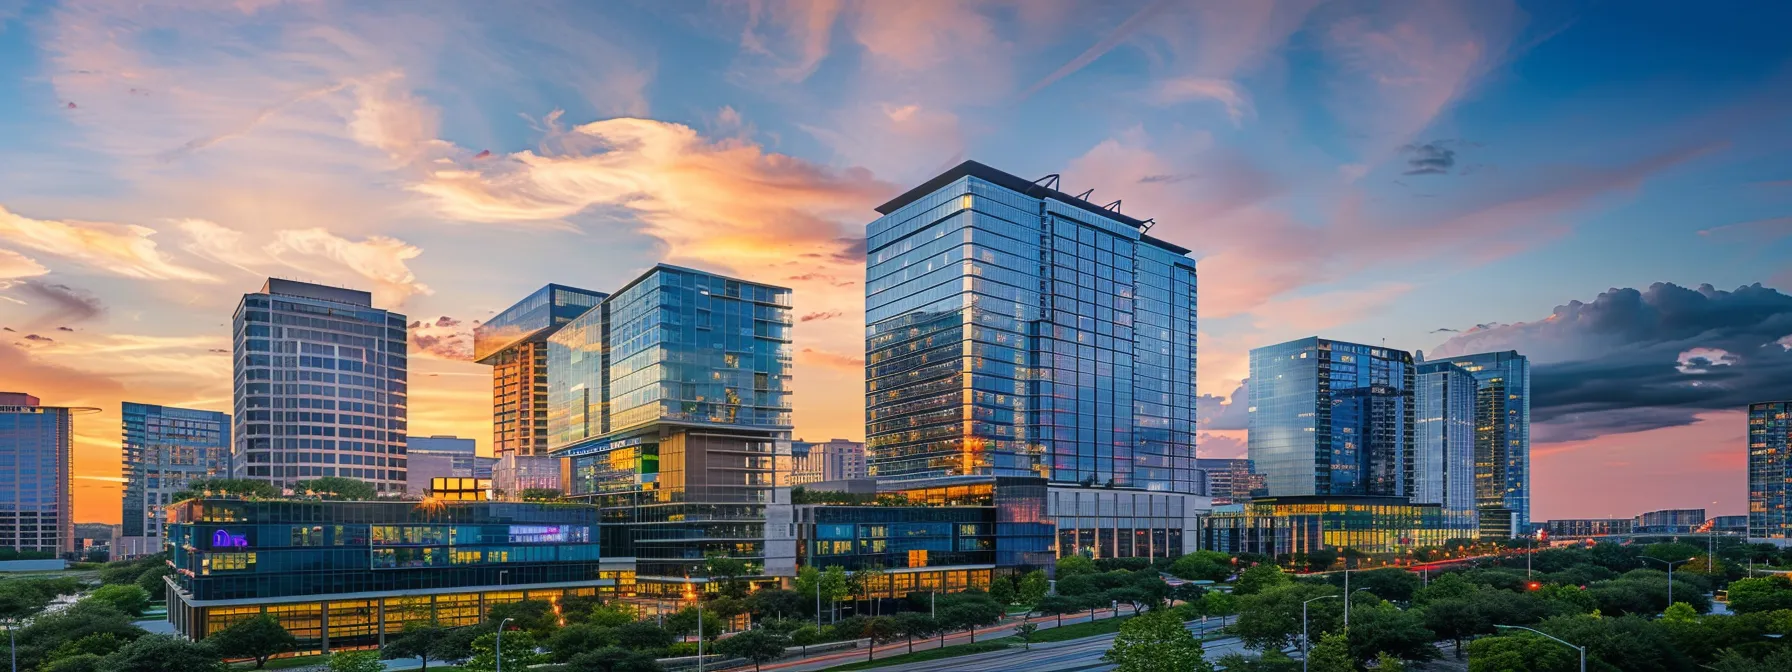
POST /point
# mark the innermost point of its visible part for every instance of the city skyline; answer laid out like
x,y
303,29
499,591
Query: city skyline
x,y
1452,178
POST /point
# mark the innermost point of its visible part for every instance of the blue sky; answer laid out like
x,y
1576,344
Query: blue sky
x,y
1359,170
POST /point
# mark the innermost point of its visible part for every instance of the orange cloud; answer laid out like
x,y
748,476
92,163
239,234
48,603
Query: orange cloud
x,y
816,357
125,250
15,265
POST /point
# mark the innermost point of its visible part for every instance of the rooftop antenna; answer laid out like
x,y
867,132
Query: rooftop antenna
x,y
1085,195
1049,181
1115,206
1145,226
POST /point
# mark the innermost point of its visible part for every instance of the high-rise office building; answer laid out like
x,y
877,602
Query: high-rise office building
x,y
1502,440
1444,452
671,401
164,449
320,386
36,449
1230,481
1330,418
1770,473
514,344
1015,330
834,460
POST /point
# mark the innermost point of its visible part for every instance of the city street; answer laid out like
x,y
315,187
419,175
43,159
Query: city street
x,y
1084,652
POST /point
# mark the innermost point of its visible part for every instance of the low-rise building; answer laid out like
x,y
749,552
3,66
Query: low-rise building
x,y
1669,521
1287,525
347,574
1580,528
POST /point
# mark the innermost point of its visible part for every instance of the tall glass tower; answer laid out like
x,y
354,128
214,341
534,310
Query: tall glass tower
x,y
320,386
164,448
36,451
1444,458
1502,440
1331,418
670,402
1015,330
1770,473
514,344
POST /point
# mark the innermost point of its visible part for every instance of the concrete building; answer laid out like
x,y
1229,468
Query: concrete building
x,y
833,460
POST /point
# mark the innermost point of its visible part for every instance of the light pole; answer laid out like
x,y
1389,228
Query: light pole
x,y
498,647
501,574
12,631
1305,646
1670,573
1581,649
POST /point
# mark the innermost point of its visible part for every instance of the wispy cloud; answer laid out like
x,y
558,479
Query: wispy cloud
x,y
119,249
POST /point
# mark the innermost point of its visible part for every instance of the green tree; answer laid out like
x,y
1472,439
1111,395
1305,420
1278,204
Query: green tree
x,y
611,660
1219,603
80,662
1777,661
258,638
879,630
417,640
518,652
1392,584
337,488
869,579
1385,629
1527,653
1025,631
226,486
48,632
1002,590
1072,565
457,643
1156,642
727,572
642,636
127,598
163,653
1319,560
834,585
1680,612
1331,654
579,638
915,625
151,580
1455,619
968,616
612,615
1203,566
536,616
758,646
1033,587
1387,662
1272,619
1058,605
355,661
805,637
1258,579
1270,661
1770,593
684,622
808,585
1446,586
766,604
98,644
538,495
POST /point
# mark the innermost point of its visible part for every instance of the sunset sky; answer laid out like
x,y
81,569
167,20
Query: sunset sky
x,y
1606,187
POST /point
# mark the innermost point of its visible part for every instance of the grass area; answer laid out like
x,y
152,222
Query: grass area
x,y
930,654
1106,626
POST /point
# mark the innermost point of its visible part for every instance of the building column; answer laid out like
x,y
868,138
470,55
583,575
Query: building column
x,y
380,613
323,621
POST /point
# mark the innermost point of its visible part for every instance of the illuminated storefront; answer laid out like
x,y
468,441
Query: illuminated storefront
x,y
1285,525
347,574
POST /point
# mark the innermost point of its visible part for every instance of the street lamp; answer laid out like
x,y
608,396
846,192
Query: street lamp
x,y
1670,573
498,647
1304,643
12,631
1581,649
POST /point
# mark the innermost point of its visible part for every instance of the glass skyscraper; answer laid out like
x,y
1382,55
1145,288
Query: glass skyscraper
x,y
1502,440
1015,330
36,449
164,448
670,400
514,344
1770,473
1444,460
320,386
1333,419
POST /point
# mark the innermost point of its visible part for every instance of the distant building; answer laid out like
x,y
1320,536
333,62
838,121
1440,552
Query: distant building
x,y
1770,473
1285,525
1444,455
36,509
164,449
1731,525
514,344
1576,528
351,574
1669,521
321,386
1329,418
1502,440
670,400
432,457
835,460
1230,481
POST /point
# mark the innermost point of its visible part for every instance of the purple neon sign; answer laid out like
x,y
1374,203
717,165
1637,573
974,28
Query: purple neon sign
x,y
224,539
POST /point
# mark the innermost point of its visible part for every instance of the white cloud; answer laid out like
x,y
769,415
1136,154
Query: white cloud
x,y
120,249
1225,92
14,265
377,258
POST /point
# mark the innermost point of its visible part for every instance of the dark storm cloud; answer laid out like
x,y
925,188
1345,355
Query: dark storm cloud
x,y
62,304
1431,158
1634,360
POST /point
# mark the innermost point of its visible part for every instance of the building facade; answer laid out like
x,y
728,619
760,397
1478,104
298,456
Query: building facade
x,y
1576,528
1669,521
320,387
348,574
514,344
1444,428
670,401
1288,525
432,457
1230,481
1329,418
1015,330
1770,473
1502,440
36,452
834,460
164,449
